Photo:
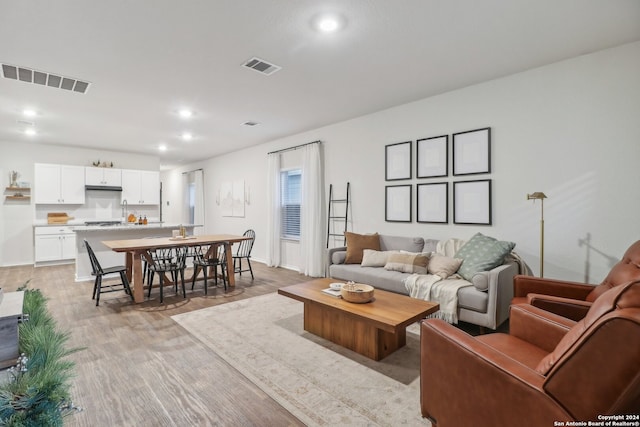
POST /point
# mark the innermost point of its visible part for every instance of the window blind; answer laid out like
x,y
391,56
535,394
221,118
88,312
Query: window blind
x,y
291,197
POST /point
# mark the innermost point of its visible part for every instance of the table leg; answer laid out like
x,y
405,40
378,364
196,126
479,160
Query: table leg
x,y
138,285
230,272
128,262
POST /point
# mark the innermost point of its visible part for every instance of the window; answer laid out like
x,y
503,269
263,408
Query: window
x,y
290,196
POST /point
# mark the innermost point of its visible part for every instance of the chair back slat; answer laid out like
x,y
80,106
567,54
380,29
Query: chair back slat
x,y
245,247
95,265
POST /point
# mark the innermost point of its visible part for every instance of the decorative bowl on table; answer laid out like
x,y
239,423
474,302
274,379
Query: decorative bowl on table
x,y
358,293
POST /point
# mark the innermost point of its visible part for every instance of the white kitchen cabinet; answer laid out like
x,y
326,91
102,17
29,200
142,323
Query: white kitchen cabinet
x,y
58,184
56,243
107,177
141,187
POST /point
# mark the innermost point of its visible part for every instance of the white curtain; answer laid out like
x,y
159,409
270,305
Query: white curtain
x,y
198,202
273,210
311,224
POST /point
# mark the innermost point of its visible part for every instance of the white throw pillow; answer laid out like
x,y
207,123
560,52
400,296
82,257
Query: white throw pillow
x,y
407,263
443,266
373,258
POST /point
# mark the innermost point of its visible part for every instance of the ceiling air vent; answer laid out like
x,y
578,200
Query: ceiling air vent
x,y
261,66
29,75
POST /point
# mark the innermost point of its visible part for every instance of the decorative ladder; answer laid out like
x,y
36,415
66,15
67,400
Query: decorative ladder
x,y
333,217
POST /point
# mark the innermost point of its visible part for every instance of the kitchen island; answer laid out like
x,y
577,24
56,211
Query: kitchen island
x,y
96,234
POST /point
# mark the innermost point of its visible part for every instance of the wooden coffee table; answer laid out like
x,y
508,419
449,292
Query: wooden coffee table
x,y
375,329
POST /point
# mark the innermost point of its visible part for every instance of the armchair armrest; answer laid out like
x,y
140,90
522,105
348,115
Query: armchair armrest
x,y
537,326
460,378
524,285
566,307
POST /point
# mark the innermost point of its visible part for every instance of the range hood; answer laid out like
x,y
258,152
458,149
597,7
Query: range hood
x,y
103,187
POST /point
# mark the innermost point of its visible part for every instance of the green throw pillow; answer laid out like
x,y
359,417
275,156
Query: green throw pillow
x,y
482,253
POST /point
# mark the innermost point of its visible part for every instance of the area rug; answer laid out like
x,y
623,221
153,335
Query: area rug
x,y
320,383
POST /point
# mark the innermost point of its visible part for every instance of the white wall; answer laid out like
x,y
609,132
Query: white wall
x,y
569,129
17,217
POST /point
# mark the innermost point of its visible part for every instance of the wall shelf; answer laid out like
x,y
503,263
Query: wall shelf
x,y
16,193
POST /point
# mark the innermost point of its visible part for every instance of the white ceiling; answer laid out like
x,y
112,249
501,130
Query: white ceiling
x,y
146,59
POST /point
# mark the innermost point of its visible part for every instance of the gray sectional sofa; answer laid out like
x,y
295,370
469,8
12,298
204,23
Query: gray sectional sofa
x,y
485,304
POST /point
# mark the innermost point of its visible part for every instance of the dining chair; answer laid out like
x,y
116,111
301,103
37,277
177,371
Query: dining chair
x,y
204,261
99,272
169,261
244,252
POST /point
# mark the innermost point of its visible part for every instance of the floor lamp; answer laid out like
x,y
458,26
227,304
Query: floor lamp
x,y
538,195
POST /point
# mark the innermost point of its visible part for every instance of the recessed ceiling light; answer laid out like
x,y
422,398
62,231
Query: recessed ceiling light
x,y
185,114
162,147
30,131
187,136
328,23
29,113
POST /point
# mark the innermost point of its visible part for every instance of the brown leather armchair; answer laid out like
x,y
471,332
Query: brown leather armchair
x,y
571,299
548,368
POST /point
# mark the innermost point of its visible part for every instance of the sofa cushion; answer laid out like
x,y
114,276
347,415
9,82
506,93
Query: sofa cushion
x,y
471,299
407,263
443,266
371,258
379,278
430,245
400,243
356,243
338,257
482,253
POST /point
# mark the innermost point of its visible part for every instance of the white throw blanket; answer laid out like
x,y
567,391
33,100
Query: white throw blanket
x,y
430,287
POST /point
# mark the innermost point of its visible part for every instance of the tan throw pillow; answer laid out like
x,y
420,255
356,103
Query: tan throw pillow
x,y
443,266
356,243
407,263
371,258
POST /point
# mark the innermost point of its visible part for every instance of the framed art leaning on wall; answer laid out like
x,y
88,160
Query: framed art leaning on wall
x,y
472,202
472,152
397,203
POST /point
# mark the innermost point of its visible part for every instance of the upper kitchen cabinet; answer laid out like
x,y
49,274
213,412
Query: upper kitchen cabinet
x,y
141,187
58,184
102,177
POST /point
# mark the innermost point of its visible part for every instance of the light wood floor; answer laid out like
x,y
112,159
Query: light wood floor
x,y
139,368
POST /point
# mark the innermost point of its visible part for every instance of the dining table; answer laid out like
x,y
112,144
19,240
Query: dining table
x,y
138,249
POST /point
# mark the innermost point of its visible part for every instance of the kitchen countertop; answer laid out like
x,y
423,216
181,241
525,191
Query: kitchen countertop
x,y
131,226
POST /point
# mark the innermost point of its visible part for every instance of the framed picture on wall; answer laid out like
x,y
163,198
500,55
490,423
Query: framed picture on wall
x,y
397,161
397,203
472,202
472,152
433,202
432,157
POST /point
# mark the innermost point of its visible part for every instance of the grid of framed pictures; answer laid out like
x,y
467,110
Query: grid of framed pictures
x,y
471,199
